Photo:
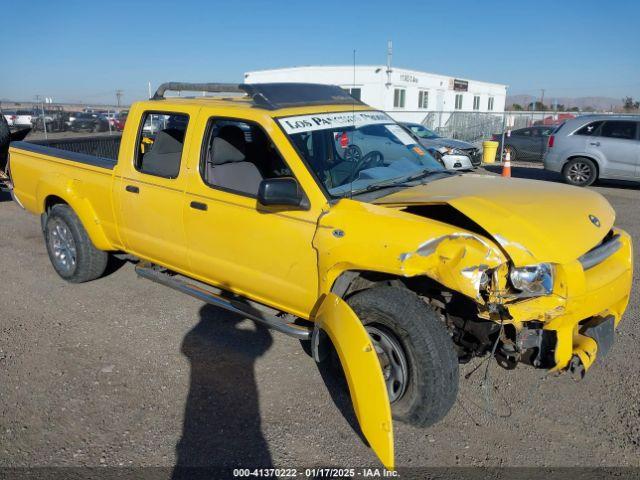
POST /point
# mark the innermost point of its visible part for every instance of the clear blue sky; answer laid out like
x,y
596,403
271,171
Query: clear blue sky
x,y
85,50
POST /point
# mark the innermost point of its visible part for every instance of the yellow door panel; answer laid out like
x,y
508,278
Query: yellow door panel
x,y
151,224
364,375
267,256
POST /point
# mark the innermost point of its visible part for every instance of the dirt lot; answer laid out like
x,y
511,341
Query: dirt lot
x,y
124,372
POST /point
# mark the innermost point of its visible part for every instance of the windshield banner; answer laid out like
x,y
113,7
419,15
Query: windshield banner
x,y
326,121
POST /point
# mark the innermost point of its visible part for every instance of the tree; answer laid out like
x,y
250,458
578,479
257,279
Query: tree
x,y
573,109
517,107
538,106
588,108
629,104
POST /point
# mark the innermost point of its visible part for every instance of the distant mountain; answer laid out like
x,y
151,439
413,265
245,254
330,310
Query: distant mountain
x,y
599,103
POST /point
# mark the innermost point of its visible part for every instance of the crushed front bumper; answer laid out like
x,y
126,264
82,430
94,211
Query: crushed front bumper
x,y
572,327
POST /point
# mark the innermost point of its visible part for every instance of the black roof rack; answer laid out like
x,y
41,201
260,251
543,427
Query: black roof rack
x,y
271,96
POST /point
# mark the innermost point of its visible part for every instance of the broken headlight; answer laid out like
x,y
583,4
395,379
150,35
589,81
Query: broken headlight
x,y
533,280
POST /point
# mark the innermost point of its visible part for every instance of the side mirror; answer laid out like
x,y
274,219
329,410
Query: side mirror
x,y
282,192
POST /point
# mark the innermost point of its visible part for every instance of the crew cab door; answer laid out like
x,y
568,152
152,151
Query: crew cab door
x,y
233,242
151,188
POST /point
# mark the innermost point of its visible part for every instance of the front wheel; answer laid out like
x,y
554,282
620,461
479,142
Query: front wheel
x,y
416,353
580,172
72,254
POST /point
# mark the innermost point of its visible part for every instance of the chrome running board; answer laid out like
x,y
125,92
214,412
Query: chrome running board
x,y
236,306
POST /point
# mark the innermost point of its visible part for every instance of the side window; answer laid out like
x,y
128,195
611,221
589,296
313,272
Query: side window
x,y
523,132
458,101
399,95
356,93
238,155
160,144
589,128
619,129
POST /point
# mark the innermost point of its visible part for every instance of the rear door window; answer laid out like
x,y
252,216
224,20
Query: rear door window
x,y
589,129
160,143
625,130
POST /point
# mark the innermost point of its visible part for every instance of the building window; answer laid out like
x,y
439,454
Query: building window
x,y
355,92
458,104
423,99
398,97
490,104
476,102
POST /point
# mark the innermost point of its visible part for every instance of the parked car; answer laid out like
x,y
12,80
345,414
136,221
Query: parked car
x,y
405,268
449,150
120,121
19,118
89,122
595,146
525,143
55,119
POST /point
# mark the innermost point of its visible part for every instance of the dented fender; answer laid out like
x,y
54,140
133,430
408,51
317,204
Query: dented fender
x,y
363,372
410,245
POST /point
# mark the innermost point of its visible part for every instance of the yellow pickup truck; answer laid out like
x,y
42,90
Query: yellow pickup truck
x,y
299,207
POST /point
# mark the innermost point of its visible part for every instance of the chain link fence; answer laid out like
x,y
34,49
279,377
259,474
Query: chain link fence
x,y
474,127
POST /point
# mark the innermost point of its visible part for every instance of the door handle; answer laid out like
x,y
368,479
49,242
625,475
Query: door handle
x,y
595,144
198,205
132,189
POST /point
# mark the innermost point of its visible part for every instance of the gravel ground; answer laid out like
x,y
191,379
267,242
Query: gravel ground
x,y
125,372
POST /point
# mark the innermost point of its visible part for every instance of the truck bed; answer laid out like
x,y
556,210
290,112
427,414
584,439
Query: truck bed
x,y
99,151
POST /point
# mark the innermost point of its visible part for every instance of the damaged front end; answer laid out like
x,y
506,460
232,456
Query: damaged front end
x,y
492,289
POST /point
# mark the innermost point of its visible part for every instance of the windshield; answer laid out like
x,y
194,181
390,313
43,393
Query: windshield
x,y
421,131
352,152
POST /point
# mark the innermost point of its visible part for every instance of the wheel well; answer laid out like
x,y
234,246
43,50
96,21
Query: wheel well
x,y
52,200
595,162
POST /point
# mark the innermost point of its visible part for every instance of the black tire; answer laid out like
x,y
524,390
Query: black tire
x,y
514,153
88,262
580,171
430,356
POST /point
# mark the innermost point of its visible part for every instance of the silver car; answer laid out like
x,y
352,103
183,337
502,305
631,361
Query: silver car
x,y
587,148
454,154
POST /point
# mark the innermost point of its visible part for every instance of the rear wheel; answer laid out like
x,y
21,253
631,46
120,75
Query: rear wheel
x,y
72,254
417,356
513,153
580,172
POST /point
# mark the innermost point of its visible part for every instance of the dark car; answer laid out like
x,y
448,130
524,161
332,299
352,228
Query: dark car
x,y
526,143
89,122
429,138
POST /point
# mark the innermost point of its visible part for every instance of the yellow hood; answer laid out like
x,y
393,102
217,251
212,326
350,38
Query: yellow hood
x,y
533,221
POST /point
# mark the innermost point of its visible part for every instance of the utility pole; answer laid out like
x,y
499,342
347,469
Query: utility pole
x,y
542,99
119,96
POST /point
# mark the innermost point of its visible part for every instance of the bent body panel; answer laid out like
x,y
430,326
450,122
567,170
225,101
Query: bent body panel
x,y
363,372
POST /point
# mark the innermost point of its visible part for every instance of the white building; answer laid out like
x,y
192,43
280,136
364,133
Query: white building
x,y
408,95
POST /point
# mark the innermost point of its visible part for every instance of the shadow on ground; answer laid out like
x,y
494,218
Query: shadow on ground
x,y
222,427
525,171
536,172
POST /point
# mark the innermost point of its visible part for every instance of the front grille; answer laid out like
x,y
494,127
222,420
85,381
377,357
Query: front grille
x,y
474,155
